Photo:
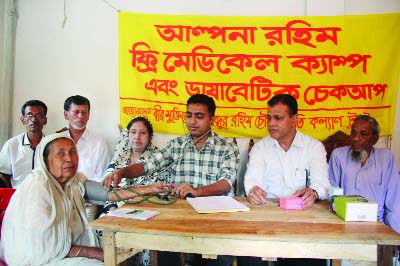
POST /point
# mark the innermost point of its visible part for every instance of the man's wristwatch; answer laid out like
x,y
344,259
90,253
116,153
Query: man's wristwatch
x,y
315,194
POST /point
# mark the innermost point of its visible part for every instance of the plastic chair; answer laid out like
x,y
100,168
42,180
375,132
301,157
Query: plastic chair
x,y
5,196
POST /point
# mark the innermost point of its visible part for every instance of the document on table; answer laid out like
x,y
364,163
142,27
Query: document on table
x,y
214,204
131,213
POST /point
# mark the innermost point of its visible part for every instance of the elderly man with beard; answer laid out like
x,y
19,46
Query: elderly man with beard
x,y
361,169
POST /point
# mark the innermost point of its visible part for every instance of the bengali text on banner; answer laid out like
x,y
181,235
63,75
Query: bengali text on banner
x,y
336,67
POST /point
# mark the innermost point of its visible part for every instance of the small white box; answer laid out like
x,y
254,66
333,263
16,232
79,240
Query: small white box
x,y
356,208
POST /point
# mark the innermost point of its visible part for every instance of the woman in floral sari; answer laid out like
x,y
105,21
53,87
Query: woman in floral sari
x,y
135,144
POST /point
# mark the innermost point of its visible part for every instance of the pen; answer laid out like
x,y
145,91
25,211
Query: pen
x,y
307,178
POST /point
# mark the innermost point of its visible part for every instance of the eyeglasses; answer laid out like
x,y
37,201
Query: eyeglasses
x,y
36,116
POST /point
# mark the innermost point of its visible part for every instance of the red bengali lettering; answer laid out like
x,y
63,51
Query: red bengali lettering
x,y
238,61
300,121
305,62
203,58
260,88
323,34
241,120
221,121
170,32
236,89
144,60
273,34
177,60
194,87
160,85
299,35
356,59
261,120
328,122
174,115
264,61
244,33
158,113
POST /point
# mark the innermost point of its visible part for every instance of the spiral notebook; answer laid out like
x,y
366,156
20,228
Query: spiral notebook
x,y
215,204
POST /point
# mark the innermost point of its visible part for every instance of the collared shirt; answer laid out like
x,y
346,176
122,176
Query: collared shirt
x,y
281,173
17,158
94,155
216,160
378,180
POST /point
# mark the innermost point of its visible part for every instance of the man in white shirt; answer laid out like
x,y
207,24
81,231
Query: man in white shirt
x,y
93,151
286,163
17,157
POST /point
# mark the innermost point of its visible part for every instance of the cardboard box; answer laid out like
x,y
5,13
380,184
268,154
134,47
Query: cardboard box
x,y
355,208
291,203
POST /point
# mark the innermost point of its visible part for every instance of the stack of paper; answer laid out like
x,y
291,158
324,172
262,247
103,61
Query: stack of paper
x,y
133,213
217,204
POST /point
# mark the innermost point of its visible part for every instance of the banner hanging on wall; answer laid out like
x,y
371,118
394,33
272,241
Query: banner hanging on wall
x,y
336,67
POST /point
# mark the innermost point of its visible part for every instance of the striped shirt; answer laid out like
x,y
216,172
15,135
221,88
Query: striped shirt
x,y
216,160
17,158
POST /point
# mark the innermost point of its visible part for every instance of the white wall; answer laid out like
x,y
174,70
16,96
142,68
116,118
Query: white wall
x,y
7,41
53,62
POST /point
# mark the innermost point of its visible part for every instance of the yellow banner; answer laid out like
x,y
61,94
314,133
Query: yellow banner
x,y
336,67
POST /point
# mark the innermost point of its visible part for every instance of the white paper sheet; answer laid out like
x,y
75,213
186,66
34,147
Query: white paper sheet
x,y
216,204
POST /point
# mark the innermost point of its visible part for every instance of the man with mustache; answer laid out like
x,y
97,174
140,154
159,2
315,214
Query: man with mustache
x,y
93,151
17,157
361,169
285,163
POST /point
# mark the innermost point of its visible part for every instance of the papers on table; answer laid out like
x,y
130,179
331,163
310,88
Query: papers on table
x,y
214,204
133,213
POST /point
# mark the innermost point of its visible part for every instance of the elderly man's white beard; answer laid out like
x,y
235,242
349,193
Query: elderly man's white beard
x,y
357,156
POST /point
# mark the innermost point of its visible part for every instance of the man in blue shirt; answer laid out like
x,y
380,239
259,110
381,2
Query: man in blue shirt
x,y
361,169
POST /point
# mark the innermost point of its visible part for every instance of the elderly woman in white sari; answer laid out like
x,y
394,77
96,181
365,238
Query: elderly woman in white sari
x,y
45,222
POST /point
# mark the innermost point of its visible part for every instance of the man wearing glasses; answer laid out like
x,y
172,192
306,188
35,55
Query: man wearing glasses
x,y
286,163
17,157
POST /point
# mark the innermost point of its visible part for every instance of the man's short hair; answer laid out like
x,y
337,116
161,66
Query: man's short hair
x,y
34,103
374,124
77,100
204,99
287,100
